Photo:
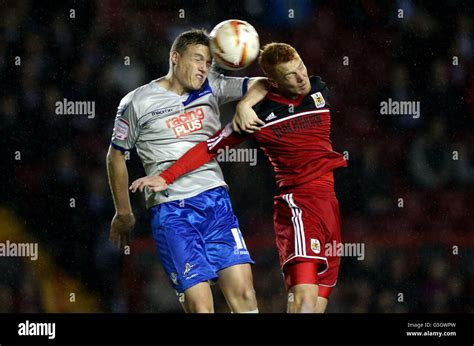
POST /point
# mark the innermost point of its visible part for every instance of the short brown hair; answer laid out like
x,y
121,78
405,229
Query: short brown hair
x,y
191,37
275,53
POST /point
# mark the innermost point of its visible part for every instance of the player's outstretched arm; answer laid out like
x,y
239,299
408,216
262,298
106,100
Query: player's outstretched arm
x,y
245,118
195,157
154,182
123,220
192,159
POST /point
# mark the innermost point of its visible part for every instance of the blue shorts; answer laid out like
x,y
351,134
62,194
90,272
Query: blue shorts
x,y
198,236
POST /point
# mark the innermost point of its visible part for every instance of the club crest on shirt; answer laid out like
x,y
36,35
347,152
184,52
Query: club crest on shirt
x,y
315,246
319,100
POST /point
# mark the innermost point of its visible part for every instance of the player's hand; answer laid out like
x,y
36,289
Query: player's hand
x,y
154,182
120,229
245,119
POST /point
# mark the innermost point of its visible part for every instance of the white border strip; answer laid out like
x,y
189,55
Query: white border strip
x,y
299,219
314,257
300,246
296,115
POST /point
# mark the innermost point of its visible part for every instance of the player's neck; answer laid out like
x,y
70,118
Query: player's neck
x,y
287,95
171,83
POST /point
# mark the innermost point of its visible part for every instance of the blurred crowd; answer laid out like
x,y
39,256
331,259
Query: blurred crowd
x,y
405,193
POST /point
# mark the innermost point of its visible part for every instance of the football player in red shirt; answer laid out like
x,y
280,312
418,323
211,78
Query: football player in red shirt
x,y
295,135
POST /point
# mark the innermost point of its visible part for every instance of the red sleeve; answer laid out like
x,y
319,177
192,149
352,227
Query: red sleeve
x,y
202,153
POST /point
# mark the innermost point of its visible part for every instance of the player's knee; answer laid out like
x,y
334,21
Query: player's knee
x,y
199,307
243,299
305,301
246,294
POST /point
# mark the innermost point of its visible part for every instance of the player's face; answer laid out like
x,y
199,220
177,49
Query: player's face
x,y
192,66
291,78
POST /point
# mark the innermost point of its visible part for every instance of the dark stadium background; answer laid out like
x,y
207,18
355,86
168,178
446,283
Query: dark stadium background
x,y
409,249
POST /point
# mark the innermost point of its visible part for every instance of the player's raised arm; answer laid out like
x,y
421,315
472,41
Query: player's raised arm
x,y
228,89
195,157
245,118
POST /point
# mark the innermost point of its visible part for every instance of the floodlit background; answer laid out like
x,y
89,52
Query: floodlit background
x,y
406,195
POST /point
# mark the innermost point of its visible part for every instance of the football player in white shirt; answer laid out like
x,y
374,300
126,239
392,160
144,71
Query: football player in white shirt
x,y
195,230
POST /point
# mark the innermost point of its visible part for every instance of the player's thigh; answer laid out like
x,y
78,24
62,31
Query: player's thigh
x,y
300,232
225,245
304,272
236,279
181,249
328,278
316,229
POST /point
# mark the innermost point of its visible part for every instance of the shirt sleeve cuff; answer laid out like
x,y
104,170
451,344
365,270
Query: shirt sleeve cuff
x,y
168,177
245,85
118,147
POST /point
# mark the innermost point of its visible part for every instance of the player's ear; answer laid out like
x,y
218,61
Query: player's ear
x,y
174,57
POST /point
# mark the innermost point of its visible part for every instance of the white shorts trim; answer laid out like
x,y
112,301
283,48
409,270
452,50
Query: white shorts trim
x,y
329,285
298,226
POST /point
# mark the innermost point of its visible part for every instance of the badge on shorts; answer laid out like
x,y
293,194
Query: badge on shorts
x,y
315,246
319,100
187,268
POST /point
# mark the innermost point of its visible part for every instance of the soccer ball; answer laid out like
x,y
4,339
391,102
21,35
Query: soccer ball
x,y
234,44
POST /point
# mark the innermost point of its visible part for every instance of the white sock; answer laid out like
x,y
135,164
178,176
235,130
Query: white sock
x,y
249,312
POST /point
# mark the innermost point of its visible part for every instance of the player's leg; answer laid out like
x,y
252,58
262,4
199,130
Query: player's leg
x,y
321,305
237,286
299,242
302,248
327,281
302,298
227,253
198,299
328,278
304,294
182,253
301,281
